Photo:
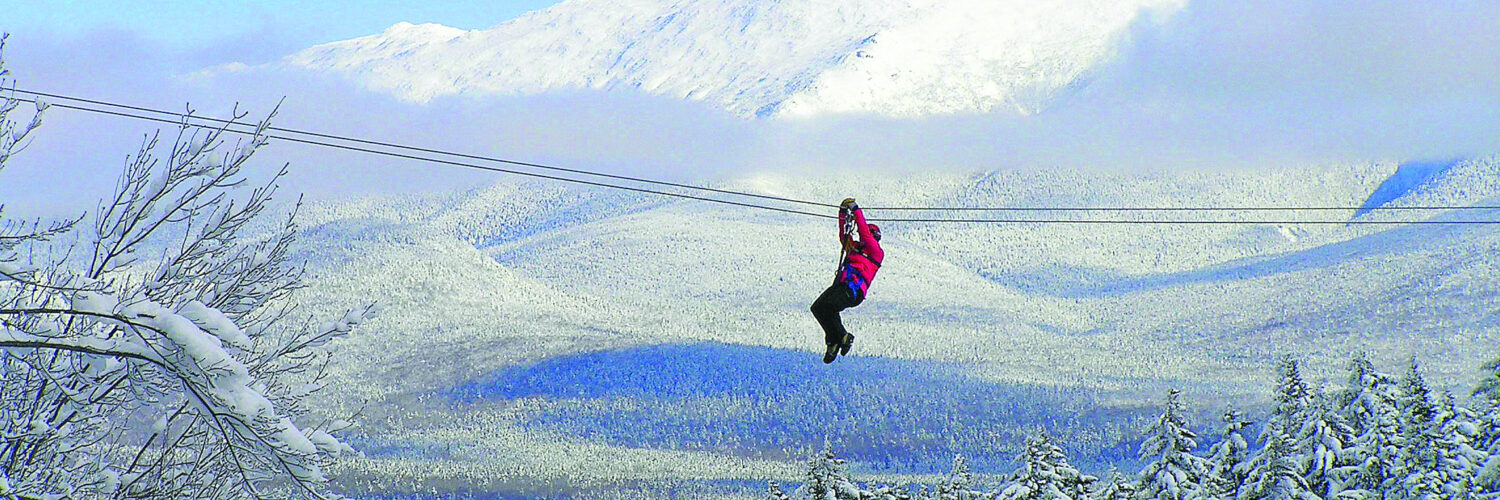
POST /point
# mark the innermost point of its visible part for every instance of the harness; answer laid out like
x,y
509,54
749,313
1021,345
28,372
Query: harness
x,y
852,278
848,274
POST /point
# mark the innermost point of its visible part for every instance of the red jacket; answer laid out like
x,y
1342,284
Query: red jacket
x,y
862,254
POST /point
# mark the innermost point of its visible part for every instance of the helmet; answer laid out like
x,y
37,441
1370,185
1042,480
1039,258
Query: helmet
x,y
875,230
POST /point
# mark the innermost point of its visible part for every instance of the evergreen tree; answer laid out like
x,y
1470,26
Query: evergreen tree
x,y
1489,384
1320,446
827,478
1371,410
1293,398
1228,460
957,486
1274,473
1045,474
1419,471
1367,388
1459,461
1487,438
1172,472
1487,443
1119,487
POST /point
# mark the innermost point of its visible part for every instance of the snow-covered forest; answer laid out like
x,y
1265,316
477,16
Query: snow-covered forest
x,y
1377,436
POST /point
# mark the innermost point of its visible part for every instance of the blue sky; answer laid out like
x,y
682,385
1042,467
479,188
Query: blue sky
x,y
184,25
138,52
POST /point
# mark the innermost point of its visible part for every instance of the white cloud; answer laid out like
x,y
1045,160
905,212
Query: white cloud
x,y
1255,83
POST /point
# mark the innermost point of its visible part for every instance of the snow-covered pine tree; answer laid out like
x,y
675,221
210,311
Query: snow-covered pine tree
x,y
1489,383
1228,459
1274,473
1487,395
827,479
1460,462
1486,441
1118,487
1419,471
1172,471
959,484
1292,399
168,310
1320,446
1045,474
1371,410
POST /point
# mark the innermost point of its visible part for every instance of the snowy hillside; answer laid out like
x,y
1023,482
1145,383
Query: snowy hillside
x,y
525,320
902,58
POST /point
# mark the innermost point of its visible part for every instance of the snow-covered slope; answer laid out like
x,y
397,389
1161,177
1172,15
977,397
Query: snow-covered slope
x,y
538,260
761,58
485,281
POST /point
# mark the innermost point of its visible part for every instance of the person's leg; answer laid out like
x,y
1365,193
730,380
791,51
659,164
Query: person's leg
x,y
826,309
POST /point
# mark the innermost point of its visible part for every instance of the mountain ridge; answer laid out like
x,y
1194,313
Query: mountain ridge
x,y
717,272
791,58
488,281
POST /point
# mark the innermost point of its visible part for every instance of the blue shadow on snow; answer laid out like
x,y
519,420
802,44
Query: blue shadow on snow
x,y
882,413
1408,177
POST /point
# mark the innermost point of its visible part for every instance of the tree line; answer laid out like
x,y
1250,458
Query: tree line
x,y
1380,436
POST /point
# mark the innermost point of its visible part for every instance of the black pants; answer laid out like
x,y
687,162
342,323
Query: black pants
x,y
826,309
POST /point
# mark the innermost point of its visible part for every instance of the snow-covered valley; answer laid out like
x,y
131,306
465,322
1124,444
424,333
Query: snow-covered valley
x,y
537,331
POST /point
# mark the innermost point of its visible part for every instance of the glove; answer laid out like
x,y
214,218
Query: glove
x,y
848,203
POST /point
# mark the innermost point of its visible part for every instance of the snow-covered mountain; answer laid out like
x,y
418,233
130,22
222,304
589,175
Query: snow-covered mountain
x,y
901,58
527,288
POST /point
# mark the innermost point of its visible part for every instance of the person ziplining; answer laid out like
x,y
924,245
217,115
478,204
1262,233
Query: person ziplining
x,y
861,259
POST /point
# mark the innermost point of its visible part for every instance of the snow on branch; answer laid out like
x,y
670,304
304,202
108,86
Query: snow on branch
x,y
171,312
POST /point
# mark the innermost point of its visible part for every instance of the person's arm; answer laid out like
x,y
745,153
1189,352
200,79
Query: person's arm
x,y
865,236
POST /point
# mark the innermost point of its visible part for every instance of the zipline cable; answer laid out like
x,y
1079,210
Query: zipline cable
x,y
440,161
183,120
1186,221
437,151
746,194
1179,209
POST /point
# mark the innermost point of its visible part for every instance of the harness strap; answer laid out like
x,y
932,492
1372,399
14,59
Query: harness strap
x,y
854,280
